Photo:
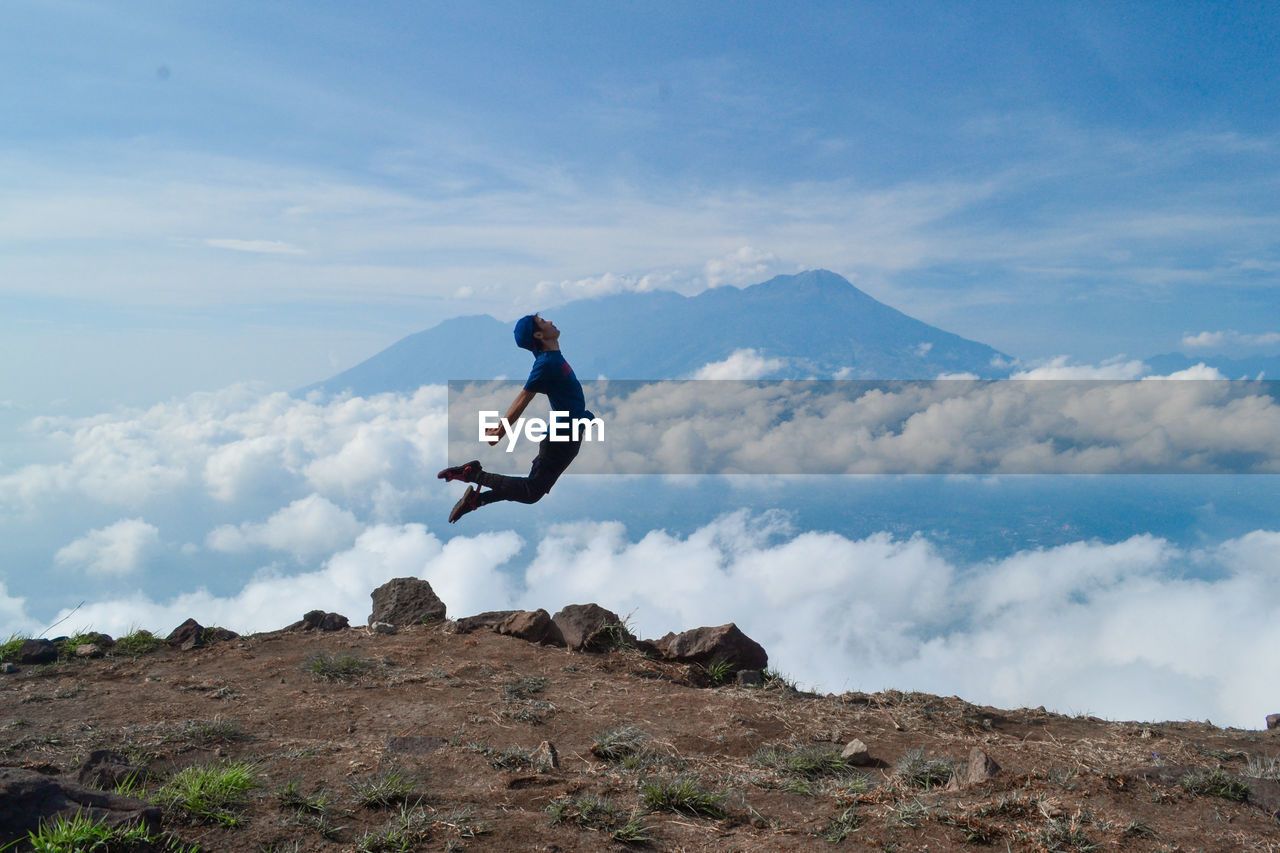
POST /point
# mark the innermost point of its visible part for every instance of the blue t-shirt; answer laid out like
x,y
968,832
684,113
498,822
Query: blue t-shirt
x,y
552,375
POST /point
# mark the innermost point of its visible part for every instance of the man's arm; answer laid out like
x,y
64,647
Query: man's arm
x,y
518,405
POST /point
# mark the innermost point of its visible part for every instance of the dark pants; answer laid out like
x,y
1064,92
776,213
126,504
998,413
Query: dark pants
x,y
553,457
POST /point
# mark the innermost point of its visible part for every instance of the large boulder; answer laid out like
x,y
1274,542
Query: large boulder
x,y
703,646
37,652
490,619
187,636
406,601
532,625
318,620
591,628
27,798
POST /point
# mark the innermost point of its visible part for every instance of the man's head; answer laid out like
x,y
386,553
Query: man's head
x,y
536,334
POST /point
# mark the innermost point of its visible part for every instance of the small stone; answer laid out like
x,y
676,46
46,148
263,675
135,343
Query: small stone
x,y
8,668
545,757
382,628
1273,721
855,752
980,768
88,650
750,678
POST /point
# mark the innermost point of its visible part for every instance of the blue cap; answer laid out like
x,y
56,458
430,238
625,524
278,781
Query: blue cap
x,y
525,327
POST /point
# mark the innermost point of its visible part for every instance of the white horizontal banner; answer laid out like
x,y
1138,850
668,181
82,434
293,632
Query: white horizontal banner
x,y
887,427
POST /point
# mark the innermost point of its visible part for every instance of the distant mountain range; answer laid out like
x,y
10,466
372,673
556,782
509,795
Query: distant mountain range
x,y
814,324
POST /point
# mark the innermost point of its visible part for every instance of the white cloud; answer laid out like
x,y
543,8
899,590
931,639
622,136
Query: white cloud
x,y
239,443
261,247
465,572
1136,629
119,549
744,265
307,528
1059,368
1214,340
741,364
600,285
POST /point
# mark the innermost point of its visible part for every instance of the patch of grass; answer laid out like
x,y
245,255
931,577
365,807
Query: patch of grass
x,y
718,672
683,795
136,643
771,679
9,648
1066,834
1261,767
585,811
616,636
839,828
67,647
919,771
210,732
341,667
516,691
387,789
599,813
533,712
619,743
1215,783
290,797
633,831
211,793
810,762
74,834
909,814
407,831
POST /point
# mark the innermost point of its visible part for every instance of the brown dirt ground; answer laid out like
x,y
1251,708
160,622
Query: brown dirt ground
x,y
1065,784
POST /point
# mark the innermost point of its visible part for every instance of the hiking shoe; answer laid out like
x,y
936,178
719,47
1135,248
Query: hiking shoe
x,y
470,500
466,473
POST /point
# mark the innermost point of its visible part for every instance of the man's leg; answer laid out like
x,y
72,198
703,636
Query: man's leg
x,y
552,459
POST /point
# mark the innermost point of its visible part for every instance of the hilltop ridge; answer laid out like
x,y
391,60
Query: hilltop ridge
x,y
452,735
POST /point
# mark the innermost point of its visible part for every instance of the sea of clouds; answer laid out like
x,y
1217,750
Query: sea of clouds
x,y
245,508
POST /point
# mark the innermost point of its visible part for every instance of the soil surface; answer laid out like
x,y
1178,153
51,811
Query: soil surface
x,y
448,727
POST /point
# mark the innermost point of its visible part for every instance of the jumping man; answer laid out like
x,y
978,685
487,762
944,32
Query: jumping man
x,y
551,375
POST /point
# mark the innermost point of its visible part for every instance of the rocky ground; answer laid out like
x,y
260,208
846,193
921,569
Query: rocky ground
x,y
434,739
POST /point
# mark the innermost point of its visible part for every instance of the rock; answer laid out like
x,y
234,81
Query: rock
x,y
534,626
591,628
980,768
27,798
102,641
406,601
105,769
382,628
219,635
1273,721
855,752
187,636
318,620
490,619
37,652
710,645
8,668
545,757
750,678
88,650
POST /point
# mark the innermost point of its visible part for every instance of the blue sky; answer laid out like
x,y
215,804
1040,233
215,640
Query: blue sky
x,y
258,191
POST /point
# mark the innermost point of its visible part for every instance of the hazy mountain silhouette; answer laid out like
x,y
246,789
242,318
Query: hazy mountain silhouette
x,y
816,322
